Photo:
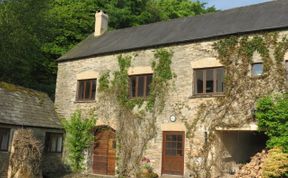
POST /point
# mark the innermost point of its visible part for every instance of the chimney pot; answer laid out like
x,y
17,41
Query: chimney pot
x,y
101,23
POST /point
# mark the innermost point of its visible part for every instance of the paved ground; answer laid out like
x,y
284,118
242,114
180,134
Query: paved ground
x,y
97,176
168,176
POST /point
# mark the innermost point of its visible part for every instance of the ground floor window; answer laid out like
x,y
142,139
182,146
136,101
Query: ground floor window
x,y
4,139
54,142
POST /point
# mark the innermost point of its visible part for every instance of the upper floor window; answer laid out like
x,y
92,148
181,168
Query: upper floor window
x,y
54,142
257,69
4,139
86,89
209,81
139,85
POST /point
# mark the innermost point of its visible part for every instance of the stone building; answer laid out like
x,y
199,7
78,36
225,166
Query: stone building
x,y
25,108
200,79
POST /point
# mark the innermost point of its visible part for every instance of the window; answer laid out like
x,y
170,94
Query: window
x,y
53,142
86,89
209,81
257,69
4,139
139,85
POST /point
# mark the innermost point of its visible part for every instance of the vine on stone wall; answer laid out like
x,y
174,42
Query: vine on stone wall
x,y
135,117
235,107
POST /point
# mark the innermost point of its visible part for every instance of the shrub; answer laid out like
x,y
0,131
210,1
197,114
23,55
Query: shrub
x,y
78,138
25,160
272,116
276,164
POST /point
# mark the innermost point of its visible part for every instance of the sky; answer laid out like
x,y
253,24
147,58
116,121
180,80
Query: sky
x,y
228,4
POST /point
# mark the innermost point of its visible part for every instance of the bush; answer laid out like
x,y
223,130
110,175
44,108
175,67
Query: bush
x,y
276,164
78,138
25,160
272,116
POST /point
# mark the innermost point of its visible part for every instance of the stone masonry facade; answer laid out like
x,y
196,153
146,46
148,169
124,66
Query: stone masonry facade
x,y
186,57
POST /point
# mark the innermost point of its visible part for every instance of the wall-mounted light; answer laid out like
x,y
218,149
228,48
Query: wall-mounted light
x,y
173,118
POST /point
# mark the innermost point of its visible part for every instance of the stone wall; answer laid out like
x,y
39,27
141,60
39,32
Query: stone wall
x,y
4,163
186,57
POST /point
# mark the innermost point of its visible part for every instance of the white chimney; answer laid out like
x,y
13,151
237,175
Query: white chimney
x,y
101,23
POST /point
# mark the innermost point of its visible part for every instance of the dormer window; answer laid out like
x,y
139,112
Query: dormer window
x,y
86,90
257,69
139,85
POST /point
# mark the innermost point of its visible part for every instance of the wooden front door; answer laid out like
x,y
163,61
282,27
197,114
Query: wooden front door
x,y
104,152
173,153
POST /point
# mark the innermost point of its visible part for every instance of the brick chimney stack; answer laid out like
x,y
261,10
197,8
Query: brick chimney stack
x,y
101,23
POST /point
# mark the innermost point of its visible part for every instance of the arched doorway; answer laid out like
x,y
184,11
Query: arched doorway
x,y
104,151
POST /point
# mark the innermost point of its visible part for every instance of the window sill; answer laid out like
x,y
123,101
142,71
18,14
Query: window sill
x,y
85,101
206,95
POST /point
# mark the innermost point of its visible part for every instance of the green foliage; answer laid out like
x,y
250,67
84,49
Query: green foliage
x,y
233,109
131,116
162,74
276,164
79,137
272,118
23,28
74,20
119,85
34,33
104,82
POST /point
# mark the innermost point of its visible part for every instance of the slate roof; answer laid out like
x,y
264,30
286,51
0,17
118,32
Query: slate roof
x,y
26,107
260,17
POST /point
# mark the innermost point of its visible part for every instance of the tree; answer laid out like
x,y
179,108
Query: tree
x,y
23,29
34,33
74,20
272,116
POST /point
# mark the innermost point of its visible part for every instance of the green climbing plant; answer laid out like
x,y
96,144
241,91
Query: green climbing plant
x,y
78,138
135,117
234,108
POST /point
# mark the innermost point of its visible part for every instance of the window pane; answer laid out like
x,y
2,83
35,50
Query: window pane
x,y
93,89
149,81
87,89
53,143
132,86
4,138
209,81
171,145
171,152
179,152
179,145
59,144
171,137
257,69
141,86
81,90
199,81
220,80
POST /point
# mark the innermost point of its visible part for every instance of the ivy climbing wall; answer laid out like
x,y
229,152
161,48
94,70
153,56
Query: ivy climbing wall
x,y
140,123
